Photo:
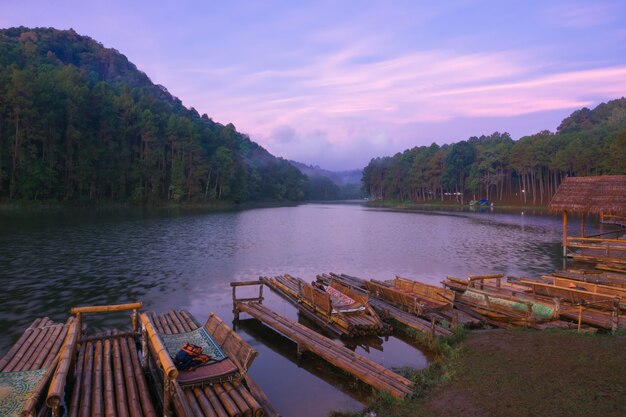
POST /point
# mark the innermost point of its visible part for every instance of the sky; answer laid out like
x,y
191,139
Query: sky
x,y
336,83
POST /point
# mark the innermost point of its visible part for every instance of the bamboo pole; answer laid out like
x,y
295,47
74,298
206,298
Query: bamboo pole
x,y
190,319
57,386
56,346
142,387
582,224
85,398
31,403
105,309
118,373
203,402
181,319
12,365
243,406
132,393
260,396
227,402
77,383
16,347
250,400
215,402
193,404
163,355
109,387
38,361
564,233
156,322
34,349
364,369
181,405
97,406
314,339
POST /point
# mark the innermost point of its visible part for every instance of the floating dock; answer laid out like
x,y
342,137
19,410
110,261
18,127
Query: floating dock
x,y
306,339
318,305
128,373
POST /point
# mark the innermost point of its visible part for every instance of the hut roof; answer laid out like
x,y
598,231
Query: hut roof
x,y
601,194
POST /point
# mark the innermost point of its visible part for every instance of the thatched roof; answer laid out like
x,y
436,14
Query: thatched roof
x,y
602,194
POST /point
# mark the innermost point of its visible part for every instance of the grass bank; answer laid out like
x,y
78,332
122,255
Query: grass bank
x,y
518,373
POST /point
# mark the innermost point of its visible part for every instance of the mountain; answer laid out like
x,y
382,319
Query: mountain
x,y
80,123
331,185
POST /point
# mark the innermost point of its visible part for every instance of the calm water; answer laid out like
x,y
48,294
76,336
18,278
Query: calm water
x,y
51,261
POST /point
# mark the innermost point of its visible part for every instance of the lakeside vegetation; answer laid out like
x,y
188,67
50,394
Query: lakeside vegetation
x,y
526,171
81,124
517,373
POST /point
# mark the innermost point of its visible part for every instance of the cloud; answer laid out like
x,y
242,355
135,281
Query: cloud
x,y
582,15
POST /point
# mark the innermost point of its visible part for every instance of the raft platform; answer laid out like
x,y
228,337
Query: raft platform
x,y
306,339
128,373
317,305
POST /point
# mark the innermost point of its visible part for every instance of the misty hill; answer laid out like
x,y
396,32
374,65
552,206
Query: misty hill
x,y
80,123
528,170
331,185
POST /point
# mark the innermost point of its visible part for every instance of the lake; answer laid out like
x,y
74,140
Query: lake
x,y
50,261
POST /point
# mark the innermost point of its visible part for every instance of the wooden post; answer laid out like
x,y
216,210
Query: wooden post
x,y
582,224
167,393
580,316
564,233
615,315
79,325
144,348
135,320
433,328
261,294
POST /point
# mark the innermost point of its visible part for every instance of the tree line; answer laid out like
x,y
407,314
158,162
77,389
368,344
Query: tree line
x,y
498,168
80,123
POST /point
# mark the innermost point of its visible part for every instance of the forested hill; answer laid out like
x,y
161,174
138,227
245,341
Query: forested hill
x,y
331,185
80,123
588,142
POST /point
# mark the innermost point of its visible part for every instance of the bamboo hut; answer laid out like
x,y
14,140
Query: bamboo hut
x,y
602,195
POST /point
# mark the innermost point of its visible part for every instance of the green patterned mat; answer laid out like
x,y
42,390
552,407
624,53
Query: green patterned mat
x,y
16,388
198,337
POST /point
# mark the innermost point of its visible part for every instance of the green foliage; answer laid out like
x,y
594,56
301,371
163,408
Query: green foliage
x,y
529,170
80,123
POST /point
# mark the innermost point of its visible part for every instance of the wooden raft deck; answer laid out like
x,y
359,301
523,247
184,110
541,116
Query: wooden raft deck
x,y
362,368
388,311
317,306
404,305
33,372
236,396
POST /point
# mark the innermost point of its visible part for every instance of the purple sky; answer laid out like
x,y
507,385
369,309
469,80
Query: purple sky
x,y
335,83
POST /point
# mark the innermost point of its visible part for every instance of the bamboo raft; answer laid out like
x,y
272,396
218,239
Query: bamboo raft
x,y
429,328
306,339
32,372
231,393
125,373
416,298
318,306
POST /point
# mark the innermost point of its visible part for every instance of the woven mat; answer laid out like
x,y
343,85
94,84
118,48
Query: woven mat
x,y
339,299
198,337
16,388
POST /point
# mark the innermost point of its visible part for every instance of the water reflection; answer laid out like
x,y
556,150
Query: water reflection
x,y
185,259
